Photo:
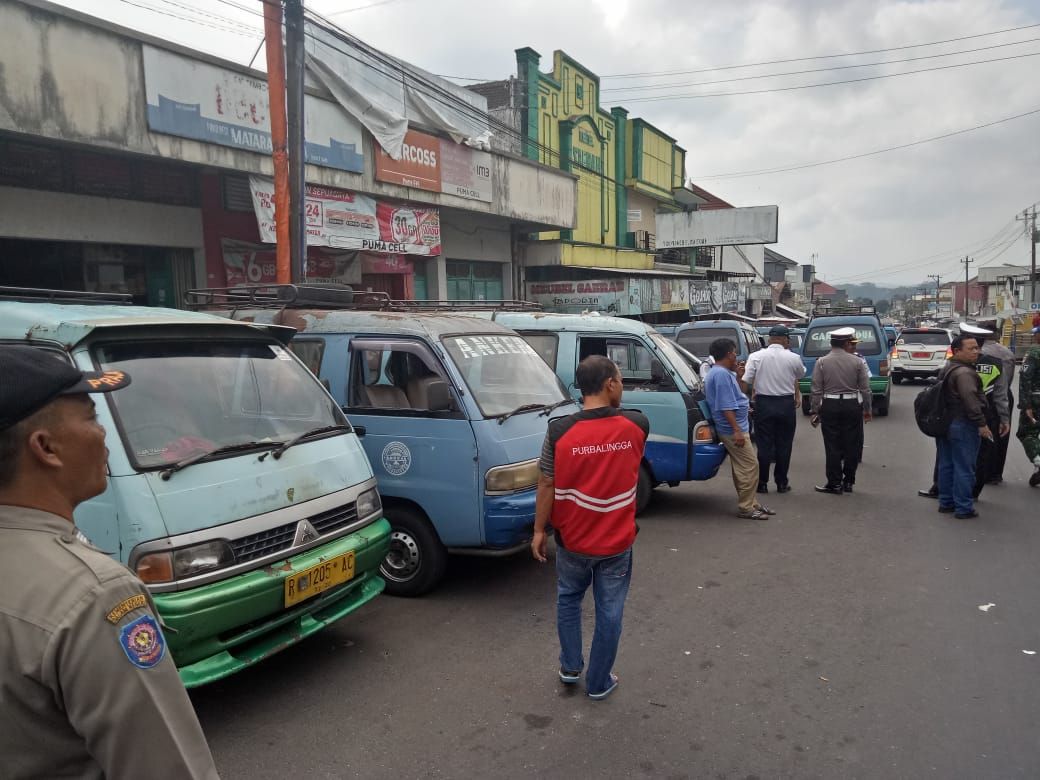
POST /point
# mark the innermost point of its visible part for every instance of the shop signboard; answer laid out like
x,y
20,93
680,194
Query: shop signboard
x,y
349,220
609,296
193,99
718,227
437,165
714,297
246,263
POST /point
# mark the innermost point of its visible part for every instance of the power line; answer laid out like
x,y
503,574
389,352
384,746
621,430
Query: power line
x,y
647,87
329,14
686,96
212,25
803,166
814,57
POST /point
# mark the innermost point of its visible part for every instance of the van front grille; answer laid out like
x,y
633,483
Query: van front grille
x,y
275,540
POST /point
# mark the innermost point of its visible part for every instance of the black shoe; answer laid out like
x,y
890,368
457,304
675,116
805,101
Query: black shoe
x,y
832,489
966,515
763,488
995,481
930,493
947,510
783,488
846,486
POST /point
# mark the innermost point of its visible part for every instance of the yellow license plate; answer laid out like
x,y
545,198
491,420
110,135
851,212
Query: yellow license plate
x,y
318,579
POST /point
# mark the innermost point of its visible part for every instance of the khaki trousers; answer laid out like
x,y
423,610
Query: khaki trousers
x,y
744,462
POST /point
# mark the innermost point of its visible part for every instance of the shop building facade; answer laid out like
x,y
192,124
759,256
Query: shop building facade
x,y
130,164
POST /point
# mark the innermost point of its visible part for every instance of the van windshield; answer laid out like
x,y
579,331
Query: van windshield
x,y
698,340
187,398
504,373
818,340
678,361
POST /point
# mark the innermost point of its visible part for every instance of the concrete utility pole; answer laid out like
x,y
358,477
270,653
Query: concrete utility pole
x,y
279,151
1029,218
294,72
938,284
967,262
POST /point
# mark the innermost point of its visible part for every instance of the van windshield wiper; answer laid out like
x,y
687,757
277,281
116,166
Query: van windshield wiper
x,y
525,408
306,435
201,457
547,410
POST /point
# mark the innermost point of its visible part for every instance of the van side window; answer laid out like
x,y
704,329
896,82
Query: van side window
x,y
751,339
310,351
636,363
396,375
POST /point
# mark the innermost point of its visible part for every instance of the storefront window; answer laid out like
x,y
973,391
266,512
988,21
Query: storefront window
x,y
474,281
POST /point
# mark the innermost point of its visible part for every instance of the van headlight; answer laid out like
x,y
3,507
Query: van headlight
x,y
368,503
160,567
515,476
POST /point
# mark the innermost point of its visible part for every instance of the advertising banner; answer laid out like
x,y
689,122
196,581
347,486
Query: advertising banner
x,y
348,220
718,227
714,297
246,263
437,165
196,100
612,296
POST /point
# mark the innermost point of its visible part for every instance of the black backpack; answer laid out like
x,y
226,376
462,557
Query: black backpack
x,y
930,410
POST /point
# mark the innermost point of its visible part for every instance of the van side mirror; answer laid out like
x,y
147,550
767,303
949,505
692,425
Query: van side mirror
x,y
360,431
891,343
438,397
326,385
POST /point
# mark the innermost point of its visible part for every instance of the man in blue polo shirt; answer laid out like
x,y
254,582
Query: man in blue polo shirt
x,y
729,410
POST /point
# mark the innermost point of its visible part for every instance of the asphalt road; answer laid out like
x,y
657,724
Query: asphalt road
x,y
842,638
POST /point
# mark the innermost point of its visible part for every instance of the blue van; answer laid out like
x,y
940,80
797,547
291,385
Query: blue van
x,y
237,492
697,337
658,381
873,347
454,409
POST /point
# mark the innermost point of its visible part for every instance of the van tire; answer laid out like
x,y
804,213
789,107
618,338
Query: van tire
x,y
806,404
644,489
417,559
881,410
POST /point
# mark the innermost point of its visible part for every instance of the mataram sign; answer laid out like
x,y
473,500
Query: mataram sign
x,y
718,227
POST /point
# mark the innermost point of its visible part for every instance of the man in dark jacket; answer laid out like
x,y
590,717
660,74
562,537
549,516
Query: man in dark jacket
x,y
589,473
958,449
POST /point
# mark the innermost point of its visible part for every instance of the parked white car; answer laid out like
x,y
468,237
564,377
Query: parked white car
x,y
919,353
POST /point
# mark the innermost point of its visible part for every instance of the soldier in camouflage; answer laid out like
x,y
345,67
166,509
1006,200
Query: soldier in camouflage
x,y
1029,403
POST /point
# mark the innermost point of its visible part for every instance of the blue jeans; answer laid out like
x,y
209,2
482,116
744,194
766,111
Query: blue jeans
x,y
958,450
610,578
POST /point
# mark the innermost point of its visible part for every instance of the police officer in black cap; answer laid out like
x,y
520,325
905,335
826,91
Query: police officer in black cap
x,y
841,402
87,688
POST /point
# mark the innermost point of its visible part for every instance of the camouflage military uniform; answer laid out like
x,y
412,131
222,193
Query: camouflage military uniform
x,y
1029,399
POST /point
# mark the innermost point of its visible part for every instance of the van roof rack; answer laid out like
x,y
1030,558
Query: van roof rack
x,y
299,296
35,294
847,311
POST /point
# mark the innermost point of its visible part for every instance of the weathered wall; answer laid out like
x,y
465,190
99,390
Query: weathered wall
x,y
68,79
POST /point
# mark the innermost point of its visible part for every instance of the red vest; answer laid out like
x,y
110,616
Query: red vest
x,y
596,471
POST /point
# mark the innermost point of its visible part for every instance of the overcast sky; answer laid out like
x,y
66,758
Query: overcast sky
x,y
891,218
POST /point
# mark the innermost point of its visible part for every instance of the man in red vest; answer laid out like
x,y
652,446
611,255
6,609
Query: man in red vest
x,y
587,487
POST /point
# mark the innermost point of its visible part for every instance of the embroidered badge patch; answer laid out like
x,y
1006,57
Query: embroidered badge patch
x,y
125,607
143,642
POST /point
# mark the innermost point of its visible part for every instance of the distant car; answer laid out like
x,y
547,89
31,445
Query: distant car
x,y
697,336
919,353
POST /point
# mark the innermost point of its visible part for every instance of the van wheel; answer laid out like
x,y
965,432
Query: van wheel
x,y
417,559
644,490
897,379
882,408
806,404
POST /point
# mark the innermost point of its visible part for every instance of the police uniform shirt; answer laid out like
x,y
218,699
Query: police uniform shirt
x,y
774,370
840,372
87,685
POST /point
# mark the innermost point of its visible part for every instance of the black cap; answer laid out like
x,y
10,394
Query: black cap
x,y
779,331
31,378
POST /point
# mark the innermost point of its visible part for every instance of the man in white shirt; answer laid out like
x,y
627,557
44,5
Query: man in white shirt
x,y
773,373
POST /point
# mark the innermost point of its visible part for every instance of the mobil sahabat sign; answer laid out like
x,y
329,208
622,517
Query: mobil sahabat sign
x,y
203,102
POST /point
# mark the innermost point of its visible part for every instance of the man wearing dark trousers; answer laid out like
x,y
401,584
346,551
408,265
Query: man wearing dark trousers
x,y
772,374
841,403
587,487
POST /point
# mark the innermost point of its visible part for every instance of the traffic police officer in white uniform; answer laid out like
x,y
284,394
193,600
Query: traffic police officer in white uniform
x,y
87,687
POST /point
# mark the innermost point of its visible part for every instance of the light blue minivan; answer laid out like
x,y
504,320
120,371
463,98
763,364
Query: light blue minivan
x,y
237,491
658,381
454,410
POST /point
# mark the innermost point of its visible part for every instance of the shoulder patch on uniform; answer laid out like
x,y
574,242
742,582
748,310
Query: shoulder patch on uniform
x,y
143,642
125,607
